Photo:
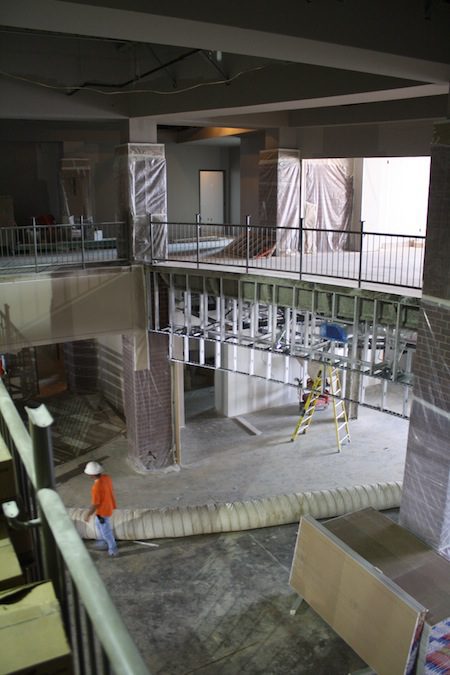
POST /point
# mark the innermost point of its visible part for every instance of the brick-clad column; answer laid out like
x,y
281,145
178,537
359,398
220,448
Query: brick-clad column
x,y
425,507
81,365
148,405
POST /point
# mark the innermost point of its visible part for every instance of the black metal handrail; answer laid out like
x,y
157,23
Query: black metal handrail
x,y
301,252
98,637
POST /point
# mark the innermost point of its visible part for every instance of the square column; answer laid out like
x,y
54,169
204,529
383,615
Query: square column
x,y
279,197
425,507
142,189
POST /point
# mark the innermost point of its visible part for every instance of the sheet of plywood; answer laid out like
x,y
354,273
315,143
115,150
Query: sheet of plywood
x,y
376,618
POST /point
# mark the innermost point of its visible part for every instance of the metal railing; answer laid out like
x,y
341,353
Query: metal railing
x,y
46,247
98,637
304,253
358,256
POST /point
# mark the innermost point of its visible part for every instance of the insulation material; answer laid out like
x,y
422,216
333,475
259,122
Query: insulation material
x,y
142,183
75,181
425,507
328,204
279,197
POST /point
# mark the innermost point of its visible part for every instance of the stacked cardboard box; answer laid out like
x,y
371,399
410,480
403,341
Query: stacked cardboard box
x,y
32,638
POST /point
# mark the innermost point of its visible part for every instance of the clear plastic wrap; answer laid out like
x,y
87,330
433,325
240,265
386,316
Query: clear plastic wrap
x,y
76,189
425,507
328,204
141,170
279,196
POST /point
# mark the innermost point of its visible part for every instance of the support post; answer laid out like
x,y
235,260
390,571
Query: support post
x,y
40,422
198,220
35,245
247,230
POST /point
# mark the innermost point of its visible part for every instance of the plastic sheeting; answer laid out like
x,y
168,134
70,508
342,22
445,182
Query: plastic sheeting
x,y
75,182
328,204
425,508
142,183
279,196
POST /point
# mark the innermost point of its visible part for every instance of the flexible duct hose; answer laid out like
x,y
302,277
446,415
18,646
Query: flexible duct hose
x,y
242,515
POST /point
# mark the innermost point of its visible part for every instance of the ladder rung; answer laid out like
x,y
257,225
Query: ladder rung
x,y
342,425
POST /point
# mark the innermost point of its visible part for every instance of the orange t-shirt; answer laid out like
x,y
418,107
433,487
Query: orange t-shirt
x,y
103,496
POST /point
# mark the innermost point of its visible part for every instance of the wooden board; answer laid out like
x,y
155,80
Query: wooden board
x,y
375,617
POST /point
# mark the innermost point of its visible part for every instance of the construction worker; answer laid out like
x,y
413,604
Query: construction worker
x,y
103,504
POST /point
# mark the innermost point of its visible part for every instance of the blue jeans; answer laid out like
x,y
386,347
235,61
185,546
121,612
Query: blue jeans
x,y
105,535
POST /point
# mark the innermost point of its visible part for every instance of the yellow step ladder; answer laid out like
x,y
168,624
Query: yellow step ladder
x,y
339,412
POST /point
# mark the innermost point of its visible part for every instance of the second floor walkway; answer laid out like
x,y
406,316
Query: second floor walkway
x,y
372,260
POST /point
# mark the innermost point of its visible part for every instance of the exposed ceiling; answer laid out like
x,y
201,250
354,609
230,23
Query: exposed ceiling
x,y
199,64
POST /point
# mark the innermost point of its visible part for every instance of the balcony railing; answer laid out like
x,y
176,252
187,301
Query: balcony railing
x,y
360,257
99,640
39,248
304,253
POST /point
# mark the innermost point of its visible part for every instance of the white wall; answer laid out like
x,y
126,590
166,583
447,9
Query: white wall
x,y
395,194
237,394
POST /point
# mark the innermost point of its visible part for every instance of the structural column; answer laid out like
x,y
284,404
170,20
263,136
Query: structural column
x,y
279,197
425,507
148,404
147,376
142,189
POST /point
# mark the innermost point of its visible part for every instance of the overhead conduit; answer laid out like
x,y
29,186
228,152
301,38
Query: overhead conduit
x,y
132,524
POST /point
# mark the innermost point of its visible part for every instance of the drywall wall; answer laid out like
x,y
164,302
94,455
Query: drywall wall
x,y
110,369
28,172
395,194
46,309
183,165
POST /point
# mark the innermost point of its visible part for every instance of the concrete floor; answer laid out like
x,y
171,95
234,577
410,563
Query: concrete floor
x,y
221,461
219,604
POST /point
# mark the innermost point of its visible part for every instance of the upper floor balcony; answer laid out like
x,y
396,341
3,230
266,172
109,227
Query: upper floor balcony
x,y
355,258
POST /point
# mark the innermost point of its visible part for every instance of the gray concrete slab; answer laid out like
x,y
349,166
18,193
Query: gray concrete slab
x,y
220,605
221,461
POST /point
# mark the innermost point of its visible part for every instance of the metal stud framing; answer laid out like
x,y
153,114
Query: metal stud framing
x,y
213,327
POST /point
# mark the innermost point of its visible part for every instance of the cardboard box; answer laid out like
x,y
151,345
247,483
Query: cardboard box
x,y
10,570
32,638
7,482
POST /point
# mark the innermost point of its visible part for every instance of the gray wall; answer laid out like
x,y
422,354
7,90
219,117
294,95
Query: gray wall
x,y
183,165
28,174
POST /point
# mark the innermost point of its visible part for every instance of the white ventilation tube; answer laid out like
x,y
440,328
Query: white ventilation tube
x,y
242,515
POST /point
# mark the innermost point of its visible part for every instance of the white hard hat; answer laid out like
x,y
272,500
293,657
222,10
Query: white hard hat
x,y
93,469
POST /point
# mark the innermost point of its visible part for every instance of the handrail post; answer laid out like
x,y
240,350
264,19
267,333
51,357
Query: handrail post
x,y
150,225
300,248
40,422
82,241
198,220
35,245
361,234
247,254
